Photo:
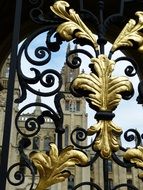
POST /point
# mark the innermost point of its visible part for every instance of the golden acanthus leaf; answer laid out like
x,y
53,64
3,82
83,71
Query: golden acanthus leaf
x,y
100,89
51,167
135,155
132,32
73,25
106,138
103,92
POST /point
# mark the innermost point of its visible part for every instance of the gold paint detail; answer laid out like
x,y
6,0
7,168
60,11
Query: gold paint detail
x,y
103,93
101,90
51,167
106,138
131,33
135,155
73,27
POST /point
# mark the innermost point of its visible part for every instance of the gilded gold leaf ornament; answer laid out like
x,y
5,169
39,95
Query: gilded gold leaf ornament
x,y
103,92
135,155
51,167
74,26
132,32
106,138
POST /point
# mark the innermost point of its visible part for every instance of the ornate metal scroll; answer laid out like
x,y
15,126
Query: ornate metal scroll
x,y
102,91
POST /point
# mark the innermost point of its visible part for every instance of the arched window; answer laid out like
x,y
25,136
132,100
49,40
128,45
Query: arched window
x,y
36,143
46,143
67,105
77,105
70,182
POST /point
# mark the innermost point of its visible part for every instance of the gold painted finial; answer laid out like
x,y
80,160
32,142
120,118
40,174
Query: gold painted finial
x,y
103,93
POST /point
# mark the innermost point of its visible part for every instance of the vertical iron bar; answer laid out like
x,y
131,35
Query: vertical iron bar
x,y
81,4
122,7
10,96
101,39
60,146
105,173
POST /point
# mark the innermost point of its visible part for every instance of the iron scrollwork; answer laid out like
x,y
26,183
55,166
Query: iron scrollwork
x,y
102,91
100,88
18,168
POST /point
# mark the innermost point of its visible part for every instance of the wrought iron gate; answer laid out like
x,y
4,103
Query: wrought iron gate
x,y
101,89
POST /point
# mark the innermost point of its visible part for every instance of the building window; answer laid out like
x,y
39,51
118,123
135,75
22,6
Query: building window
x,y
70,182
66,135
77,105
36,143
110,166
67,105
70,107
128,170
110,183
46,143
7,72
129,182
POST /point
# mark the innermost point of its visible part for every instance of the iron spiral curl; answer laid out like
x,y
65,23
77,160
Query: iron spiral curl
x,y
18,174
79,134
130,70
39,16
94,185
139,98
40,52
46,78
33,125
131,135
42,56
75,61
135,136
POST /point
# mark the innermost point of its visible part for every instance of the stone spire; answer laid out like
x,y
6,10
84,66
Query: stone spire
x,y
38,98
38,110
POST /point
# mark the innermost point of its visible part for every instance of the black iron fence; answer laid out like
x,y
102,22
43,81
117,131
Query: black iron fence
x,y
100,89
